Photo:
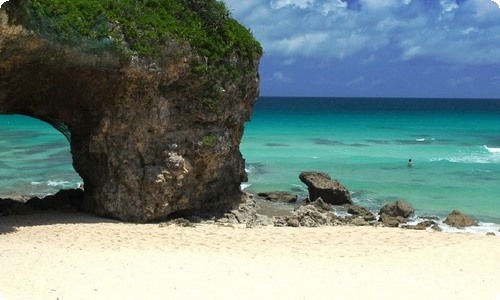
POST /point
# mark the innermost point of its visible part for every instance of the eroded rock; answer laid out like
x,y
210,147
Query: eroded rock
x,y
278,196
393,214
314,214
459,220
360,211
154,128
321,185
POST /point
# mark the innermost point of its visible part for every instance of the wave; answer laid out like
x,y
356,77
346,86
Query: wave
x,y
482,228
425,139
56,183
472,159
486,155
492,149
245,186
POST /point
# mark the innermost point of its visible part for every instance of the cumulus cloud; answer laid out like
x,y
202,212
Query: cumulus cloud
x,y
449,31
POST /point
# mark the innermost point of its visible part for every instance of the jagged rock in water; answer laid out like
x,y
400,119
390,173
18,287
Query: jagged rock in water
x,y
154,114
321,185
459,220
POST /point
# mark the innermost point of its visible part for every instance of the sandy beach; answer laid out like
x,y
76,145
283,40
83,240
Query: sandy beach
x,y
78,256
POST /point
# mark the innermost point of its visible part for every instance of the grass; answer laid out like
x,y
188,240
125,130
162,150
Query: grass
x,y
143,26
210,141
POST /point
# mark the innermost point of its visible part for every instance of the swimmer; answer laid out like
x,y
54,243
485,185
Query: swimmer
x,y
410,163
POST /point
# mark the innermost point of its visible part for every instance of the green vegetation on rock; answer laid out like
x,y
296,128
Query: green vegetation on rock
x,y
143,26
210,140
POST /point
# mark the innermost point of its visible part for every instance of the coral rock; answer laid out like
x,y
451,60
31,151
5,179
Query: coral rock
x,y
154,130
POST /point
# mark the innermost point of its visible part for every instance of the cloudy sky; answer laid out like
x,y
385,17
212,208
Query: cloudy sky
x,y
376,48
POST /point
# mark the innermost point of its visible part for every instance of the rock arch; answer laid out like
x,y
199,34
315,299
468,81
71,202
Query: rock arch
x,y
143,137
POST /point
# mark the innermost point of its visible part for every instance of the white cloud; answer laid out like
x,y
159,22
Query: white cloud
x,y
334,6
497,2
383,4
448,5
303,4
449,31
305,43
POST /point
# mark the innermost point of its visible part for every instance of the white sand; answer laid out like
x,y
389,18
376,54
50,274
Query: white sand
x,y
77,256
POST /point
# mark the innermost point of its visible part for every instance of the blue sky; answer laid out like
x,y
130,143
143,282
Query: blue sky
x,y
376,48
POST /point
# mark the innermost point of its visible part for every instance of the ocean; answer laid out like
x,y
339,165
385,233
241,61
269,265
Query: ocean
x,y
365,143
35,159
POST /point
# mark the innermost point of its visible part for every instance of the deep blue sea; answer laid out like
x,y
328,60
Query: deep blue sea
x,y
365,143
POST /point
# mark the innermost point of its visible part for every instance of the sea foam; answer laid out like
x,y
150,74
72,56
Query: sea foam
x,y
492,149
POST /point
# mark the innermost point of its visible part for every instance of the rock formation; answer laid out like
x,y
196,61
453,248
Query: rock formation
x,y
321,185
314,214
154,114
360,211
459,220
392,214
278,196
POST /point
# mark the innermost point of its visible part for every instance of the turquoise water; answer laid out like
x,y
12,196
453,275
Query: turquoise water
x,y
35,159
366,143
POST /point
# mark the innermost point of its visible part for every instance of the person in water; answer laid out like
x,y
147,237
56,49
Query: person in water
x,y
410,163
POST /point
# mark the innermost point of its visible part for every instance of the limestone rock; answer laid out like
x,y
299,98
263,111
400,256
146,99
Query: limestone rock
x,y
321,185
392,214
154,118
360,211
459,220
278,196
314,214
422,225
321,205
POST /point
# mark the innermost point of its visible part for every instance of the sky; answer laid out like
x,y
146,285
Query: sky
x,y
376,48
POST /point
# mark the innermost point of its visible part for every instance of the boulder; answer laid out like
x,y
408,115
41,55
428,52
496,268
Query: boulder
x,y
392,214
314,214
278,196
321,185
360,211
391,221
459,220
153,110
